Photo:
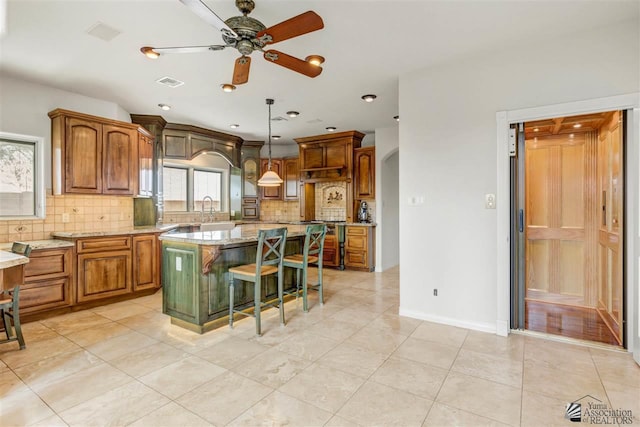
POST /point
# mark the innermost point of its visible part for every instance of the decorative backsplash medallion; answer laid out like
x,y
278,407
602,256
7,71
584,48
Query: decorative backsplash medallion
x,y
331,201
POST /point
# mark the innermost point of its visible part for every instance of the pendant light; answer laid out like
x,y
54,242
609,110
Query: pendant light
x,y
270,178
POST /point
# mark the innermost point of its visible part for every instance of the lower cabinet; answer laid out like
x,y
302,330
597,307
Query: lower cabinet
x,y
359,248
145,262
103,274
48,280
330,252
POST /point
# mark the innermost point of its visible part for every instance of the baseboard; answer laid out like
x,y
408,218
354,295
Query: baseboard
x,y
475,326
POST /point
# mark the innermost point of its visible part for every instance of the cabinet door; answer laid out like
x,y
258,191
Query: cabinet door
x,y
335,155
119,160
176,145
330,252
250,177
83,156
145,165
271,193
364,166
145,266
357,248
291,179
103,274
312,157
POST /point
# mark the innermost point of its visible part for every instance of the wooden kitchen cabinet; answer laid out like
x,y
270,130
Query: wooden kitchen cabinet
x,y
290,170
364,182
250,174
103,268
93,155
48,280
359,248
145,262
145,163
330,251
271,193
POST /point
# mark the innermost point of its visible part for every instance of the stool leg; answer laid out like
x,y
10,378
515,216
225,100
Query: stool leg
x,y
305,306
321,295
231,292
16,323
7,324
257,301
281,293
297,282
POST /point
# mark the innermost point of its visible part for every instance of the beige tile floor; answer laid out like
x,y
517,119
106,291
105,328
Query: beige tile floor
x,y
351,362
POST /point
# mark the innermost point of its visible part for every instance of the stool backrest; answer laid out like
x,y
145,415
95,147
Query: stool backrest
x,y
271,244
21,248
314,241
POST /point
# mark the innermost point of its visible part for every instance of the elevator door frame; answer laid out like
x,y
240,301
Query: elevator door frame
x,y
632,211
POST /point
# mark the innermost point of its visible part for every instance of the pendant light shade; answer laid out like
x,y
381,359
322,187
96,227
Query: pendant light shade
x,y
269,178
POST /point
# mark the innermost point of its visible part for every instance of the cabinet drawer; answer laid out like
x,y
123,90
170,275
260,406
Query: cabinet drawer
x,y
356,242
106,244
330,242
45,294
355,259
356,231
44,264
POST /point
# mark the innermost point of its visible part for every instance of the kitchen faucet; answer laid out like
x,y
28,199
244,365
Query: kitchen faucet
x,y
210,208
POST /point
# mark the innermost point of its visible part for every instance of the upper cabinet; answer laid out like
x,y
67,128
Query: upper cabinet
x,y
291,176
364,182
93,155
145,163
186,142
250,175
328,157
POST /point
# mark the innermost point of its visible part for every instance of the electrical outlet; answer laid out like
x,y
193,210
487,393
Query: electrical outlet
x,y
489,201
65,217
435,292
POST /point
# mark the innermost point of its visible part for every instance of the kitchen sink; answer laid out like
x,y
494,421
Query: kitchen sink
x,y
217,226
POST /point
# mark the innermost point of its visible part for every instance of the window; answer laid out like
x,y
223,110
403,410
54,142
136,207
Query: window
x,y
174,188
184,188
22,192
207,183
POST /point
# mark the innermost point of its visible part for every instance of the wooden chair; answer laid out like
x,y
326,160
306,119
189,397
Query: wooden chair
x,y
269,255
311,253
10,304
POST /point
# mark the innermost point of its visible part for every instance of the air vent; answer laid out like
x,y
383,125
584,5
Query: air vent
x,y
278,119
169,81
103,32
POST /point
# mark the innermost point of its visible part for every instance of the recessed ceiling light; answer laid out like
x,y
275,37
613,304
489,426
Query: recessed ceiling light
x,y
577,125
275,137
369,98
149,52
314,59
165,107
330,128
293,113
227,87
396,118
536,129
234,126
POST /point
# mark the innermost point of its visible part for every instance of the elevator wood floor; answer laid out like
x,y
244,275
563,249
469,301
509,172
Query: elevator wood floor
x,y
571,322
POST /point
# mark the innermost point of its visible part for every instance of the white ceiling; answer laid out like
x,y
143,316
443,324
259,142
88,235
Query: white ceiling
x,y
367,46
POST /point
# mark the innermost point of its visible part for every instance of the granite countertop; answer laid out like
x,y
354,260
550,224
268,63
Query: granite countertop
x,y
40,244
240,234
134,230
9,259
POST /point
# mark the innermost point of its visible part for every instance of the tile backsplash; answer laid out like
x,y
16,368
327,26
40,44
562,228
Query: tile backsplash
x,y
331,201
278,210
71,212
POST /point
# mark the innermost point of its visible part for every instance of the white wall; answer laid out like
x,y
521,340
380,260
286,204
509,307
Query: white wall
x,y
24,107
387,188
448,157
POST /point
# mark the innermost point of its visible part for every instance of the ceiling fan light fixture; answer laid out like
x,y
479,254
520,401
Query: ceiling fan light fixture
x,y
369,98
316,60
331,128
293,113
149,52
227,87
164,107
269,178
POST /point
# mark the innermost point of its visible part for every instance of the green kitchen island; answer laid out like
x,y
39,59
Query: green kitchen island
x,y
195,285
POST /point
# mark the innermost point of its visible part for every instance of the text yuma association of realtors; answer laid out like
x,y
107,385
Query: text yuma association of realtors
x,y
600,413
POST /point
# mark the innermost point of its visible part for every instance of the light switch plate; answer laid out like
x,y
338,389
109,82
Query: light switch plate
x,y
489,201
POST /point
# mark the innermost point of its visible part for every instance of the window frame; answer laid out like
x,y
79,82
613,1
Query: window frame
x,y
38,179
224,183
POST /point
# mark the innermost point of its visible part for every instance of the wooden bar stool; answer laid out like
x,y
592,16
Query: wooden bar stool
x,y
10,304
311,253
271,245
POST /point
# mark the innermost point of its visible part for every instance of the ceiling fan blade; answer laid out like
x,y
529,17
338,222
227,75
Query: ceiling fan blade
x,y
181,49
292,63
202,10
293,27
241,70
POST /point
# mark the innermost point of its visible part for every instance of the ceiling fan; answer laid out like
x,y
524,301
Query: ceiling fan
x,y
247,35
